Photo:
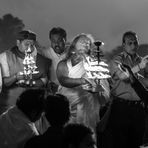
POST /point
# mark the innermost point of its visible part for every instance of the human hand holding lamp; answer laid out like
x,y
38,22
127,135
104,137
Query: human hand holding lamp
x,y
29,63
96,68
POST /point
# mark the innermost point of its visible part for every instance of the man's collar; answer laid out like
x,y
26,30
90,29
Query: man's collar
x,y
125,54
59,55
18,53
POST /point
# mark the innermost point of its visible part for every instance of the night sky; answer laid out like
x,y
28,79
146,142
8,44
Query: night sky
x,y
106,20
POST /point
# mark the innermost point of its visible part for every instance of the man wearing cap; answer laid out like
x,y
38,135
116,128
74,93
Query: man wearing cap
x,y
12,69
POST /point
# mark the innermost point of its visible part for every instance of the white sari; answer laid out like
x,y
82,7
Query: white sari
x,y
84,105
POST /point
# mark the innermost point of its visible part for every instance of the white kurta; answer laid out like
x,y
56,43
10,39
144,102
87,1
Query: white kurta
x,y
56,58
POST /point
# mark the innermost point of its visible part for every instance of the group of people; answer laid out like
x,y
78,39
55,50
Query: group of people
x,y
18,129
112,108
126,123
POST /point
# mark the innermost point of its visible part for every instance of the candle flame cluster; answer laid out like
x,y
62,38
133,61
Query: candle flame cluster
x,y
95,69
29,64
96,74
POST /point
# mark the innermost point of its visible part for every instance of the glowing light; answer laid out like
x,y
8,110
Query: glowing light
x,y
29,64
95,70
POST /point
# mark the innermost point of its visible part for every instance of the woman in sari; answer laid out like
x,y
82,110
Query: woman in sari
x,y
71,74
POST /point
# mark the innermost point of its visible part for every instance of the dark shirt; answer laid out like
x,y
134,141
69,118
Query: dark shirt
x,y
141,91
52,138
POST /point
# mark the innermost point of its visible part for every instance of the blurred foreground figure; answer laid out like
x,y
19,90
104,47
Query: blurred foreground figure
x,y
17,123
57,113
78,136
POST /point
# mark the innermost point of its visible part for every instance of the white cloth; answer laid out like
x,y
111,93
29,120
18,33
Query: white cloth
x,y
15,129
1,82
76,71
56,58
4,68
84,105
4,65
9,65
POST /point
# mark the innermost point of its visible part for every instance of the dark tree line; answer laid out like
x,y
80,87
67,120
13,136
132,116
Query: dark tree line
x,y
9,27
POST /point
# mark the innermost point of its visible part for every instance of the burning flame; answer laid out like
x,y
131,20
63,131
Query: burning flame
x,y
29,64
95,70
96,73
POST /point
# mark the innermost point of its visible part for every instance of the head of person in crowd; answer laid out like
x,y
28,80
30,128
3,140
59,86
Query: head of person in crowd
x,y
57,110
26,39
31,103
80,45
58,37
78,136
130,42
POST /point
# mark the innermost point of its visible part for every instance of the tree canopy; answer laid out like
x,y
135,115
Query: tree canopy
x,y
9,27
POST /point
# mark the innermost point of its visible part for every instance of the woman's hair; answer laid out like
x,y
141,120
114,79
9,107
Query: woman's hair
x,y
72,47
